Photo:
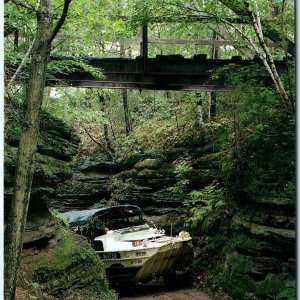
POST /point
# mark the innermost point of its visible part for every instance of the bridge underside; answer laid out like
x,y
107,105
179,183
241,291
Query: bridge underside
x,y
153,74
144,82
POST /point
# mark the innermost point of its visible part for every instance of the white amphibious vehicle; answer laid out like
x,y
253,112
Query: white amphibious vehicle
x,y
130,248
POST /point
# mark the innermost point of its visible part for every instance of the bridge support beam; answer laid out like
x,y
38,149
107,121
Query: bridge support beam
x,y
144,45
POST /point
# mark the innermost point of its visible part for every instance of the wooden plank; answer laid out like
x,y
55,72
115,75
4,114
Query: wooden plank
x,y
200,42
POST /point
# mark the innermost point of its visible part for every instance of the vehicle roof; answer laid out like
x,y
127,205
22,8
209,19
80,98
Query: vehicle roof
x,y
81,217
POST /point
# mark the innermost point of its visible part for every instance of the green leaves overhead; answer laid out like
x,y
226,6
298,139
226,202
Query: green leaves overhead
x,y
70,66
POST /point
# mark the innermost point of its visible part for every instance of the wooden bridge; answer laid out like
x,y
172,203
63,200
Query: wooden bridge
x,y
165,72
161,73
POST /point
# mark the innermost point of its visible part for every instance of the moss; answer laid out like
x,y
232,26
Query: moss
x,y
152,164
48,170
243,242
272,286
287,294
146,173
207,161
70,266
127,174
239,286
71,187
51,168
55,139
264,231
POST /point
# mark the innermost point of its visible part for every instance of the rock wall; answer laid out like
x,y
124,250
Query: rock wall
x,y
263,238
57,144
144,180
67,268
53,261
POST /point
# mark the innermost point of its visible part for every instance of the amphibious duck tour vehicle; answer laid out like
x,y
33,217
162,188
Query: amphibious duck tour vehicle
x,y
131,249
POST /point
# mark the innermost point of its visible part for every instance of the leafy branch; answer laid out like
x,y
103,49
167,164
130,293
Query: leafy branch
x,y
69,66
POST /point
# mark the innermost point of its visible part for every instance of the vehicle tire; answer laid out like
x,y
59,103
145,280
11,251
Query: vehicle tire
x,y
170,279
179,279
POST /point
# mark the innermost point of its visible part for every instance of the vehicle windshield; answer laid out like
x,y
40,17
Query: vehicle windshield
x,y
117,223
98,226
133,229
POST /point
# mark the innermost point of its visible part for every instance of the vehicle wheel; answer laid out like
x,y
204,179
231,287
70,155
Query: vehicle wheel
x,y
179,279
170,279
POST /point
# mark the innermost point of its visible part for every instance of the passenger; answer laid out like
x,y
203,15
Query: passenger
x,y
106,230
151,224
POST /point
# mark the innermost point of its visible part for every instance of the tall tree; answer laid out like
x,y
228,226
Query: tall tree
x,y
128,126
28,141
241,7
105,125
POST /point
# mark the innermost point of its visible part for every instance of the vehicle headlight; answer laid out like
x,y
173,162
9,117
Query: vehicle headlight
x,y
145,242
184,234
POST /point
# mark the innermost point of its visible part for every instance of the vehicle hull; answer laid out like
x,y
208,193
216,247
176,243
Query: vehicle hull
x,y
142,263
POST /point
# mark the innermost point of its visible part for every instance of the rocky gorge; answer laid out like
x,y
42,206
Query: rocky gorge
x,y
247,248
252,243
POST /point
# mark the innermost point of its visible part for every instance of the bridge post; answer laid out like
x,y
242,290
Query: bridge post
x,y
213,95
144,45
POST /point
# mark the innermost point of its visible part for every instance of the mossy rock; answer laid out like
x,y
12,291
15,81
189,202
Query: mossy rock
x,y
257,247
149,163
287,294
255,266
237,285
147,173
264,231
276,201
56,147
75,187
207,161
174,153
68,268
99,162
200,178
55,138
271,287
127,174
277,218
57,127
48,170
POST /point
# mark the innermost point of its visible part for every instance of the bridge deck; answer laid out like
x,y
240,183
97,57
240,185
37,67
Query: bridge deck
x,y
161,73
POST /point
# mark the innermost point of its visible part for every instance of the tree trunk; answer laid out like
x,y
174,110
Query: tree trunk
x,y
78,109
27,148
213,95
128,127
105,126
199,107
213,106
16,39
66,108
269,30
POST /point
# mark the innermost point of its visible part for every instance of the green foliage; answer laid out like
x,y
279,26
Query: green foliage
x,y
287,294
258,143
182,172
271,286
70,66
206,208
152,164
119,187
57,215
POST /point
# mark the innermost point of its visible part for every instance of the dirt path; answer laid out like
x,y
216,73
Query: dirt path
x,y
182,294
161,292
